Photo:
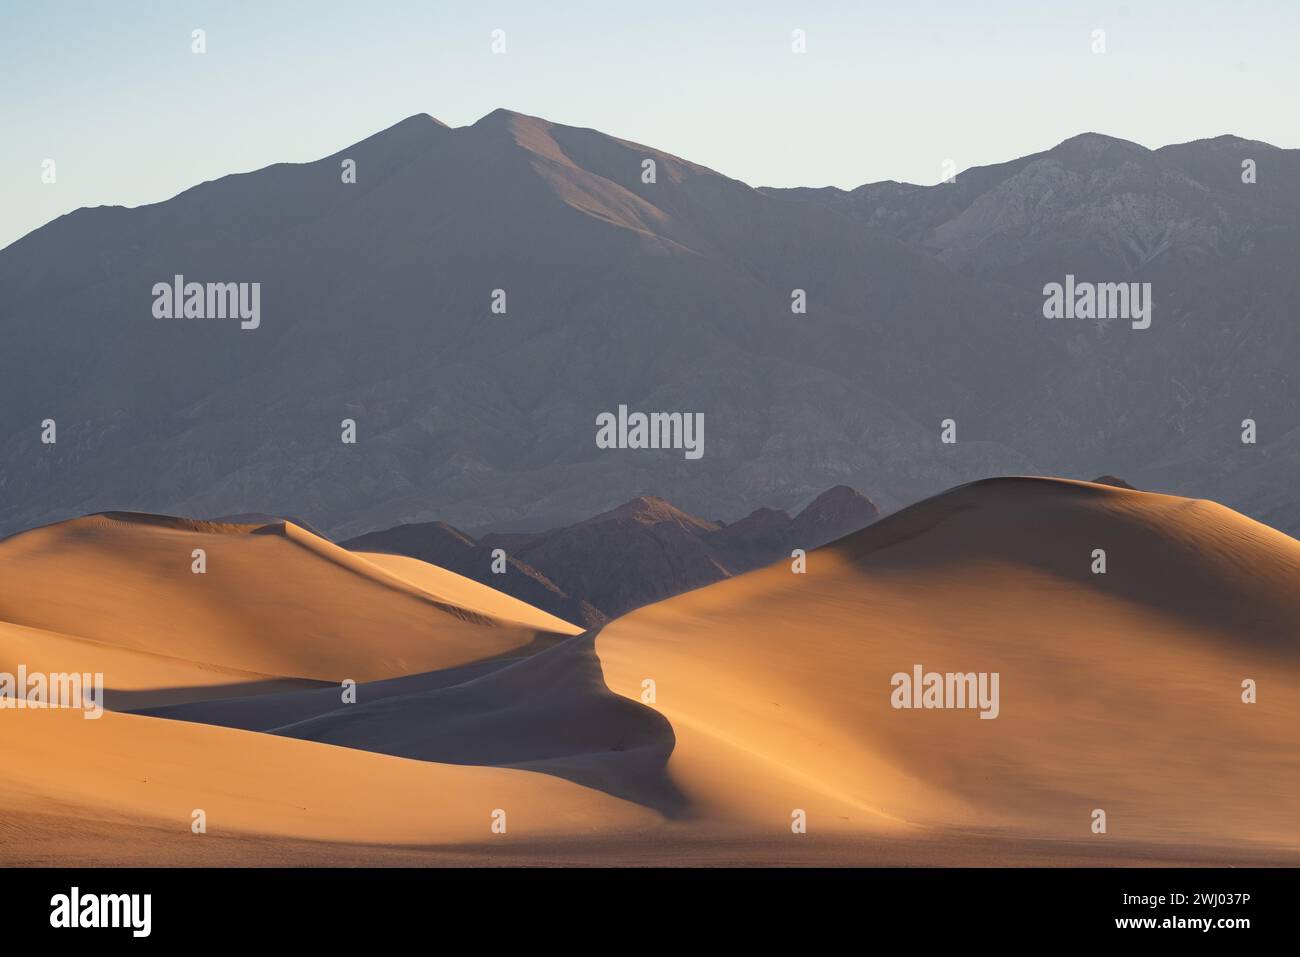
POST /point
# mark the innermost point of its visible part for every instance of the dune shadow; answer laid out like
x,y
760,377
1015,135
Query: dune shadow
x,y
158,701
548,711
265,705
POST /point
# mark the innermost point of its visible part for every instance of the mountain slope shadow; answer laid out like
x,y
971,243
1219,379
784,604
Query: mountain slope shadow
x,y
551,713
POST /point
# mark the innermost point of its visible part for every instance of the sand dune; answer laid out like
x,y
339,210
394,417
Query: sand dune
x,y
149,771
1118,691
275,600
771,694
139,679
467,593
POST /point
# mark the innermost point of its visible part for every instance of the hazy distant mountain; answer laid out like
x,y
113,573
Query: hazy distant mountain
x,y
924,304
1169,403
440,544
640,552
1093,204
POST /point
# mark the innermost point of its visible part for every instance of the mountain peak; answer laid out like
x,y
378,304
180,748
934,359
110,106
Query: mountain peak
x,y
1092,145
397,143
1225,141
499,115
416,125
831,513
509,119
421,119
652,510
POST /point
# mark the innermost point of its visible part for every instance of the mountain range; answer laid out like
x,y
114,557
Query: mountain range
x,y
924,304
643,551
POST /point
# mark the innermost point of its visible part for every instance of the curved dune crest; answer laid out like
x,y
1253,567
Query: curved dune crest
x,y
274,600
550,712
1119,691
1185,557
456,589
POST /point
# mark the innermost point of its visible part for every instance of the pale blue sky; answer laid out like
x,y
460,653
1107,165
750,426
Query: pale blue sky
x,y
887,90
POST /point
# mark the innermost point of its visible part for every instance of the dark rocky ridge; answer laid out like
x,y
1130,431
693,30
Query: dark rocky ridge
x,y
640,552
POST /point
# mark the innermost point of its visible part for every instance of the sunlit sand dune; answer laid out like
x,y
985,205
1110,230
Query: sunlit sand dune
x,y
1118,691
711,722
465,592
154,772
140,679
273,600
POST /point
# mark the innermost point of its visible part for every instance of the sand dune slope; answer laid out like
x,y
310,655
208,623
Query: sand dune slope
x,y
116,594
1118,692
151,772
274,600
467,593
140,679
706,722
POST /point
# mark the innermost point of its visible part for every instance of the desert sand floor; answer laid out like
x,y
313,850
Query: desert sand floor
x,y
692,731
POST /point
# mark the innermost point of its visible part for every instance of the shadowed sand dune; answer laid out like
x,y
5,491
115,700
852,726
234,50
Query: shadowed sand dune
x,y
551,712
701,722
266,708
